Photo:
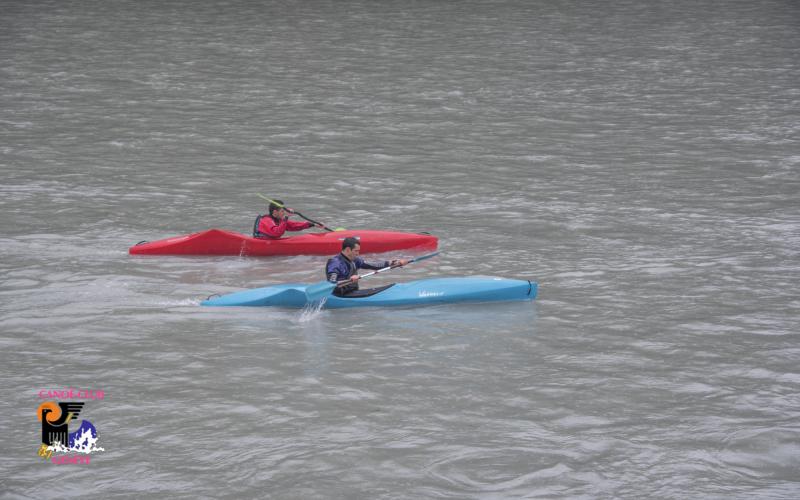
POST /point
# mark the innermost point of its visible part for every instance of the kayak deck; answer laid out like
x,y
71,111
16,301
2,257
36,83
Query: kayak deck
x,y
222,242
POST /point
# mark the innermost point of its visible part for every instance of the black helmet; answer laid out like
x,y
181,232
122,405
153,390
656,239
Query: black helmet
x,y
275,205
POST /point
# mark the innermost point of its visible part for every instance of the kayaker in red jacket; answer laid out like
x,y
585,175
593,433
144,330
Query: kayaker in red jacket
x,y
273,225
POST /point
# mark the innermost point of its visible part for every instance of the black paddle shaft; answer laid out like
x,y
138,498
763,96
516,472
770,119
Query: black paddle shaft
x,y
310,220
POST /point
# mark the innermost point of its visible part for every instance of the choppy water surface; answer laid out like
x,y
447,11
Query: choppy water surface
x,y
639,160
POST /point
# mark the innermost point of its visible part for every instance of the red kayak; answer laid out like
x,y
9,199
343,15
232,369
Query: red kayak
x,y
221,242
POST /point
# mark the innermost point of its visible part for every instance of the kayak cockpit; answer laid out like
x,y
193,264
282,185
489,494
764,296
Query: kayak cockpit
x,y
366,292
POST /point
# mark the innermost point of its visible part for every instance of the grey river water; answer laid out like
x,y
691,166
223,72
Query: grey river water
x,y
638,159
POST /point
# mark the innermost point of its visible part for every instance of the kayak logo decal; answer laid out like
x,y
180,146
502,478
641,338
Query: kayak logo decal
x,y
58,444
423,293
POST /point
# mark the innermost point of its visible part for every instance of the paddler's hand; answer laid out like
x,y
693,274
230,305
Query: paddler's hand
x,y
399,262
354,278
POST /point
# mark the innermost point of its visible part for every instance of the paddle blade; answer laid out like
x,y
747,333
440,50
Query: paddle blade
x,y
318,291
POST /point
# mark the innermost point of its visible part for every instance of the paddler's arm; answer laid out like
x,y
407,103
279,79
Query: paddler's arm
x,y
374,267
270,228
361,264
297,226
332,272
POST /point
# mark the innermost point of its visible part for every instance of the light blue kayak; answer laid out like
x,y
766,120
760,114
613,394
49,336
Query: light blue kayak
x,y
413,293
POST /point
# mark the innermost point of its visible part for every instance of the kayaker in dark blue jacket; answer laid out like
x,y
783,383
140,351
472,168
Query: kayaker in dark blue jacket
x,y
345,266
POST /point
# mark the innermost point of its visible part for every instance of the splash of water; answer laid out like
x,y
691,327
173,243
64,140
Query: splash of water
x,y
311,311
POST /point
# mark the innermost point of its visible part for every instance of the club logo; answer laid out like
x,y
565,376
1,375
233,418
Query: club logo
x,y
59,445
